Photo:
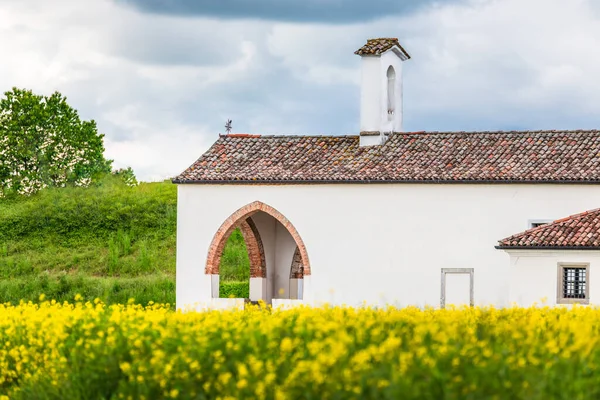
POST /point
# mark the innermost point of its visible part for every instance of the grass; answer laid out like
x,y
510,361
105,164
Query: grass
x,y
235,264
109,241
64,286
96,257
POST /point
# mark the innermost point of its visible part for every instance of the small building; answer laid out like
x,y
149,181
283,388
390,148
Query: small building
x,y
553,261
382,216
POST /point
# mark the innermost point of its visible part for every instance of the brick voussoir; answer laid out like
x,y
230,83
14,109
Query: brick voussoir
x,y
241,218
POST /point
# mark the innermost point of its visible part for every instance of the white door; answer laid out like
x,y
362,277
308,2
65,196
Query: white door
x,y
457,287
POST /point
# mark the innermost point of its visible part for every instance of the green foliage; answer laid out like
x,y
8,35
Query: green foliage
x,y
109,231
234,270
126,175
44,144
63,287
74,214
234,289
235,264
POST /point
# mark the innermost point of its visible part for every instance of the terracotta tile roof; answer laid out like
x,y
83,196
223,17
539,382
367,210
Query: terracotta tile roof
x,y
379,46
580,231
433,157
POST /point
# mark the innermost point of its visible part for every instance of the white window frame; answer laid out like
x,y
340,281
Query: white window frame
x,y
470,271
560,299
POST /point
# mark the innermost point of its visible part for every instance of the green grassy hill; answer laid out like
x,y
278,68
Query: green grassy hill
x,y
110,241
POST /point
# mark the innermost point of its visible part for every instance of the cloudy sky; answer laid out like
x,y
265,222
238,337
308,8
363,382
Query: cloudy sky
x,y
161,76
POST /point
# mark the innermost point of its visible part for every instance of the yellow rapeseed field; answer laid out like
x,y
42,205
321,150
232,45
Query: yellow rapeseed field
x,y
92,351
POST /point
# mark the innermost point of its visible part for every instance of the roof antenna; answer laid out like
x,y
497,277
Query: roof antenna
x,y
228,126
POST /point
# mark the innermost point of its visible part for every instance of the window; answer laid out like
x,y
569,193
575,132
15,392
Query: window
x,y
534,223
573,283
391,97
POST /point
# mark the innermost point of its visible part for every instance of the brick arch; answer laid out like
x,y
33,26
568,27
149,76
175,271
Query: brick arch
x,y
256,251
236,219
297,268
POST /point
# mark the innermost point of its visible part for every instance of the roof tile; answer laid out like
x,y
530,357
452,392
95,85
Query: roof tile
x,y
577,231
376,47
507,157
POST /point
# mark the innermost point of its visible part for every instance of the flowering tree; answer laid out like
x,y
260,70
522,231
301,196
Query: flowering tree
x,y
44,143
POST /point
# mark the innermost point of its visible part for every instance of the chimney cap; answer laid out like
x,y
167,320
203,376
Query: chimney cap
x,y
378,46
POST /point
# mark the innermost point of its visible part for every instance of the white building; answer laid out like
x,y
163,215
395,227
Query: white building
x,y
385,216
557,258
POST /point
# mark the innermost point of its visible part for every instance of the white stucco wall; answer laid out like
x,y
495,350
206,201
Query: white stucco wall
x,y
381,243
285,248
266,226
373,95
534,274
370,94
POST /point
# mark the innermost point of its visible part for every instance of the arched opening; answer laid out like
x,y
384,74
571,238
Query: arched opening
x,y
391,97
296,275
277,255
242,259
255,249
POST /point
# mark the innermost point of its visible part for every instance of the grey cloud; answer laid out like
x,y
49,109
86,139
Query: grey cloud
x,y
329,11
170,48
287,107
155,40
542,119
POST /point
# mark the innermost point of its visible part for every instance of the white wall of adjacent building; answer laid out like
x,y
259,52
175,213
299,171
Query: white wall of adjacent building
x,y
534,274
386,243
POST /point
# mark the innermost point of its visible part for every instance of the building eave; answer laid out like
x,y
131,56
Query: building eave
x,y
378,181
587,248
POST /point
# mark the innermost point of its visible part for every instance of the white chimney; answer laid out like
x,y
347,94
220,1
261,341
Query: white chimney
x,y
381,89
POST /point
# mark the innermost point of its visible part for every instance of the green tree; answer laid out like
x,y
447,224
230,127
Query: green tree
x,y
43,143
126,175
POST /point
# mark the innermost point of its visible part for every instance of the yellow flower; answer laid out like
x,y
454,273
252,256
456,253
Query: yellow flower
x,y
286,345
316,351
125,367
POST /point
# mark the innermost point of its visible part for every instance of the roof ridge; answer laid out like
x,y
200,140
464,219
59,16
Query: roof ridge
x,y
248,135
312,136
501,132
241,135
572,217
498,132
